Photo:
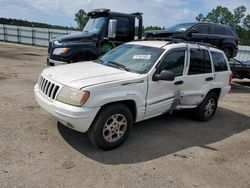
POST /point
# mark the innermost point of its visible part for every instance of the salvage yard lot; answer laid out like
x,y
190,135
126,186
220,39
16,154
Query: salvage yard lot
x,y
167,151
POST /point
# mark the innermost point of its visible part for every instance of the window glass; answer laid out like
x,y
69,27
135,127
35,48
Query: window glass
x,y
202,28
219,62
227,32
208,66
135,58
122,26
174,61
199,62
216,30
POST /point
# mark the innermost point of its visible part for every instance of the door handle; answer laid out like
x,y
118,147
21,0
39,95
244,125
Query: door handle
x,y
179,82
209,79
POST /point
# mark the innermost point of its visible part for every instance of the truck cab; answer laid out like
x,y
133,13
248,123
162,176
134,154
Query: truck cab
x,y
103,31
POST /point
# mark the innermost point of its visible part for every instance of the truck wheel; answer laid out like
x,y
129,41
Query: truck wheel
x,y
228,53
111,127
206,110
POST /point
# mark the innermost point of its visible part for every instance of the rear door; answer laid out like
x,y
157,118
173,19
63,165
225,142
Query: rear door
x,y
198,77
161,94
202,35
221,69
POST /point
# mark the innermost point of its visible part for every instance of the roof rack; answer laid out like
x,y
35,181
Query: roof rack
x,y
174,41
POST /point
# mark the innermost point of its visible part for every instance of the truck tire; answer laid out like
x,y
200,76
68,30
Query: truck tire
x,y
227,52
206,110
111,127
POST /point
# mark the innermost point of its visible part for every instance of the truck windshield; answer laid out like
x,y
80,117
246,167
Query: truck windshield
x,y
180,27
134,58
94,25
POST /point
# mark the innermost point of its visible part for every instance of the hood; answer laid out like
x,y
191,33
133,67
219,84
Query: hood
x,y
80,75
84,36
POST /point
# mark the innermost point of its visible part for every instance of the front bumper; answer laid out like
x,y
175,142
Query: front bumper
x,y
77,118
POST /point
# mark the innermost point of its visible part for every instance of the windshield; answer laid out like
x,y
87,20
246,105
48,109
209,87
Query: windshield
x,y
94,25
134,58
180,27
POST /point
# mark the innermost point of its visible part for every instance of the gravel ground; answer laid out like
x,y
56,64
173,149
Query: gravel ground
x,y
167,151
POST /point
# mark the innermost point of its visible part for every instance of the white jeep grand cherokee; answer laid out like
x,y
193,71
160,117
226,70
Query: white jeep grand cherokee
x,y
131,83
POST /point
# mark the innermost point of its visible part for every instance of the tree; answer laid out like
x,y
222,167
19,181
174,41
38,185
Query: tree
x,y
220,15
81,19
200,18
246,22
224,16
238,15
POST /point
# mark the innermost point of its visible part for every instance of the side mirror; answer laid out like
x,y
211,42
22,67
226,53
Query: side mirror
x,y
164,75
112,28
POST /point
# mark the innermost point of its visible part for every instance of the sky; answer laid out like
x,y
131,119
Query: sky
x,y
155,12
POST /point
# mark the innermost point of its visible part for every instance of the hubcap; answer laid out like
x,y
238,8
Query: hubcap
x,y
210,107
115,127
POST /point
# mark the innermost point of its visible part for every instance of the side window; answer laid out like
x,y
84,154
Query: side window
x,y
208,66
219,62
216,30
227,32
122,26
202,28
200,62
174,61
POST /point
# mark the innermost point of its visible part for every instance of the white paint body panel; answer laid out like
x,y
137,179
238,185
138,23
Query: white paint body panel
x,y
107,85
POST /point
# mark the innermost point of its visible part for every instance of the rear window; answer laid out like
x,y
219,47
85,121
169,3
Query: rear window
x,y
227,32
200,62
219,62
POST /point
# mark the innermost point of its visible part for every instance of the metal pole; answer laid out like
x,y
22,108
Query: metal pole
x,y
33,36
18,34
4,33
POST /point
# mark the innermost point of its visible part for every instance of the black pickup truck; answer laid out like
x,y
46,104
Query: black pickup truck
x,y
103,31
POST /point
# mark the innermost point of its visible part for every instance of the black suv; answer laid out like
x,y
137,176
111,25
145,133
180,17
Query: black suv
x,y
222,36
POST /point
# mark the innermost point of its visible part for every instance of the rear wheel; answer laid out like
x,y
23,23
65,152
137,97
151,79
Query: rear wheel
x,y
206,110
227,52
111,126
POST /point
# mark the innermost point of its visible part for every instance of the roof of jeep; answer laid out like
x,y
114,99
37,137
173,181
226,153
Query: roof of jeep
x,y
169,45
153,43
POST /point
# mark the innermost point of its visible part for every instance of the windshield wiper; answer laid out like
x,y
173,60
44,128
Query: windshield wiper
x,y
117,65
99,61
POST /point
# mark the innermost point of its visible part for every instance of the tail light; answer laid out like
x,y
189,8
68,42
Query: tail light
x,y
238,39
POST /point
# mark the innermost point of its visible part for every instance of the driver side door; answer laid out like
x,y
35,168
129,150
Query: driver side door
x,y
162,94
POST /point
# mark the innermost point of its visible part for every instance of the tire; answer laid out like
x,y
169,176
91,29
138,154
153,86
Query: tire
x,y
206,110
111,127
227,52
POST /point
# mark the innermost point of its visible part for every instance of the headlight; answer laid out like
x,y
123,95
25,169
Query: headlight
x,y
72,96
59,51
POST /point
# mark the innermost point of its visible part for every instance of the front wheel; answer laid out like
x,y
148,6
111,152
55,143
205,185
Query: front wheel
x,y
206,110
111,126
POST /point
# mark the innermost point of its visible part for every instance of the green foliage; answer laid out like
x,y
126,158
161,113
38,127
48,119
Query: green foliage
x,y
235,19
81,19
19,22
246,22
152,28
200,18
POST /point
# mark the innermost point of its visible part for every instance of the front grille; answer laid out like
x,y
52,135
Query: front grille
x,y
48,88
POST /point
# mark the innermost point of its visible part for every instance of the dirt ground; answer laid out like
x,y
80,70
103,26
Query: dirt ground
x,y
167,151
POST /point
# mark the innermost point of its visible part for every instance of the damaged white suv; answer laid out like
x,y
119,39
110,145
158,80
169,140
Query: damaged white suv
x,y
131,83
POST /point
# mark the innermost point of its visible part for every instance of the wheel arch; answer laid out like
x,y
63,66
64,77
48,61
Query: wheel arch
x,y
217,91
131,104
